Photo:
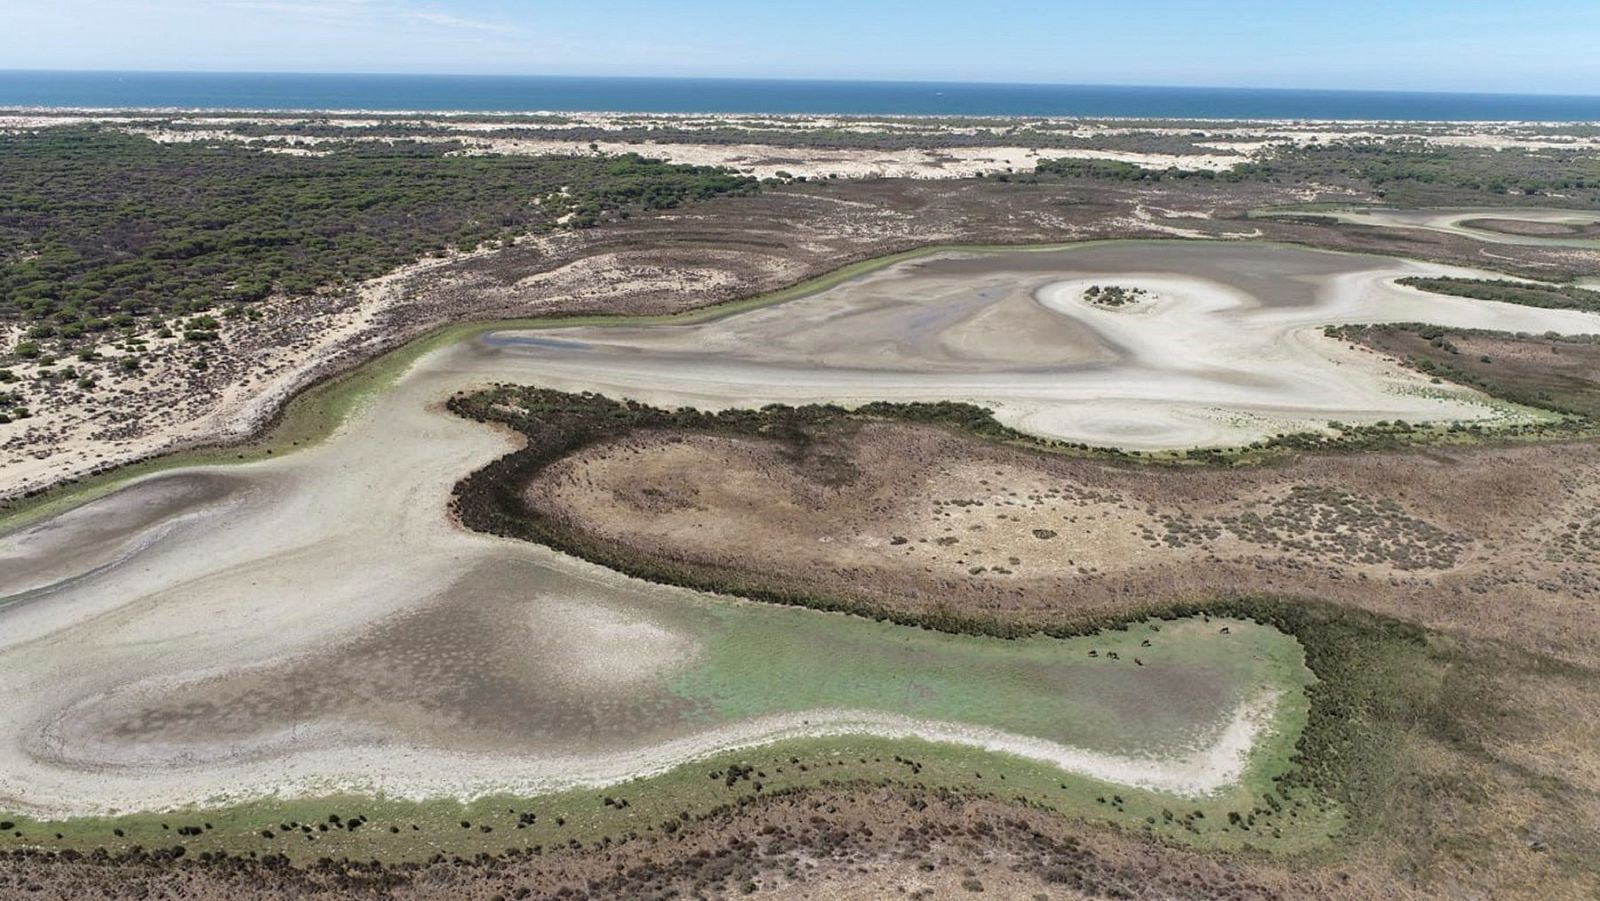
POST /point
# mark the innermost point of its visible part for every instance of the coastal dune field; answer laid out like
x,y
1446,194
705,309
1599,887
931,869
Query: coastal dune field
x,y
317,623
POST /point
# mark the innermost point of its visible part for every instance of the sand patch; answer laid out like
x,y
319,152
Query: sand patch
x,y
618,651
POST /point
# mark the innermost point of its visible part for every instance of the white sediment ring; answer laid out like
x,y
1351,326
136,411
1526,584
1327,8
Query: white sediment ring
x,y
397,771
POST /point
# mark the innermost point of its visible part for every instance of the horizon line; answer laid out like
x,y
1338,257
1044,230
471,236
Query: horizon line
x,y
803,79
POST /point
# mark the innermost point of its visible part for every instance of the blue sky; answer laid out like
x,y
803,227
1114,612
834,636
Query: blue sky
x,y
1549,46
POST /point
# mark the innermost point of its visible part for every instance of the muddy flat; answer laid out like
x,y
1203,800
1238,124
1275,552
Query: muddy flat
x,y
1572,227
316,622
1224,349
1528,227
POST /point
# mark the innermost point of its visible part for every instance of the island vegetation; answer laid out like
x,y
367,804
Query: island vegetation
x,y
1113,295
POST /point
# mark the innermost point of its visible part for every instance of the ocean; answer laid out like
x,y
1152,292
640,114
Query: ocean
x,y
242,91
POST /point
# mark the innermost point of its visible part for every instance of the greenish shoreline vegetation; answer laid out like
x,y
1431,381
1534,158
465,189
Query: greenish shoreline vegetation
x,y
1263,810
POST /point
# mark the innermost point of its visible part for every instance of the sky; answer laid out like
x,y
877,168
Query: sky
x,y
1532,46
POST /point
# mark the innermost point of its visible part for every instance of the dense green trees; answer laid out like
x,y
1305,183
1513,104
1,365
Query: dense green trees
x,y
101,230
1115,170
1394,163
1404,170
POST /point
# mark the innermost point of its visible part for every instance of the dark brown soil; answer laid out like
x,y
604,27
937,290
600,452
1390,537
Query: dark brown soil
x,y
1525,228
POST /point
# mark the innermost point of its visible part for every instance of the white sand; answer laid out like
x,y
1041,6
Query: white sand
x,y
337,765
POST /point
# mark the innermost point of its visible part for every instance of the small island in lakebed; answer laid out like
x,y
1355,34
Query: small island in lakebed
x,y
1114,295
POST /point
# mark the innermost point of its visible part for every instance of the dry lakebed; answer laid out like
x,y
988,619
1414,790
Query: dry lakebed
x,y
316,623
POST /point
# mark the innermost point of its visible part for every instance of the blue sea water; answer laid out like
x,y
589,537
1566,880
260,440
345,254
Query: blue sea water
x,y
244,91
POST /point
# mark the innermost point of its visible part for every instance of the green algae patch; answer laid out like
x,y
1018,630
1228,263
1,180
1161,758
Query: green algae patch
x,y
1148,690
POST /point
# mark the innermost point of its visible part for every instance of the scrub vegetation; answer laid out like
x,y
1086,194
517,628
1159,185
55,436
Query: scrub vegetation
x,y
1555,297
1409,171
1417,171
104,234
558,425
1116,170
1546,371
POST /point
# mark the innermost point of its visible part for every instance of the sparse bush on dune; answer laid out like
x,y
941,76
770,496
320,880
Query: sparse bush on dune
x,y
101,229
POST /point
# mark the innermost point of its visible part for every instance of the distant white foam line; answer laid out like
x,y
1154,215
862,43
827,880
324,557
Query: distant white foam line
x,y
76,784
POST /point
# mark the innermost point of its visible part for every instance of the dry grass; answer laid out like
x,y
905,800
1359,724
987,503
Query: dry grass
x,y
844,842
1466,541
